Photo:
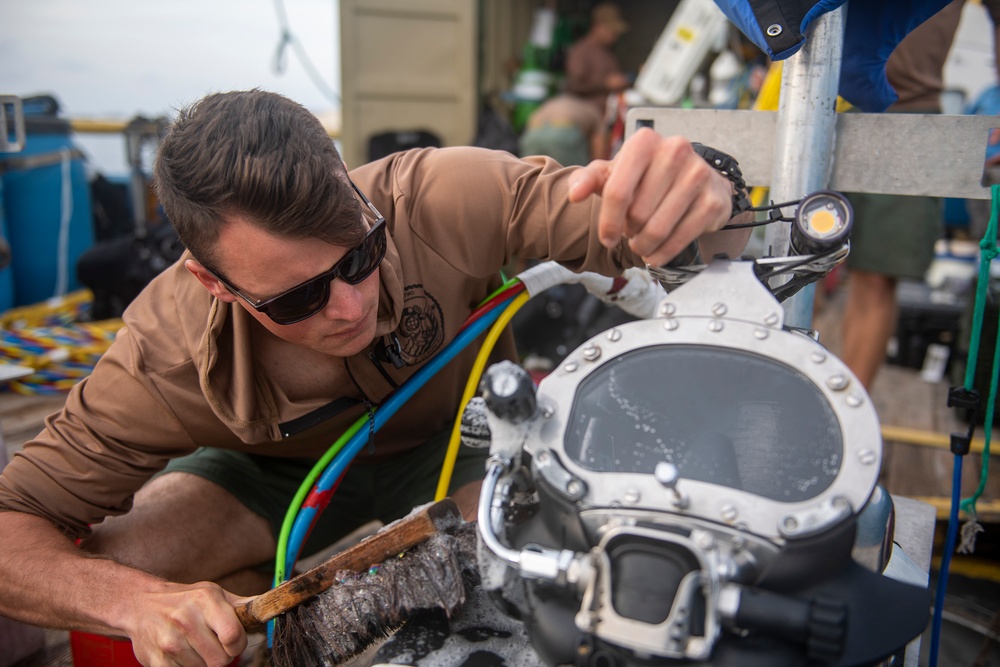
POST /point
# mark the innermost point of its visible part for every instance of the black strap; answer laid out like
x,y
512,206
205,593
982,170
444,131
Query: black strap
x,y
317,416
726,165
779,21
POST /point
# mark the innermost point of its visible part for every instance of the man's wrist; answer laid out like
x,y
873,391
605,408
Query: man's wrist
x,y
726,165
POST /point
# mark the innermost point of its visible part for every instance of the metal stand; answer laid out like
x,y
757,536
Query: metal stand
x,y
805,141
914,536
806,146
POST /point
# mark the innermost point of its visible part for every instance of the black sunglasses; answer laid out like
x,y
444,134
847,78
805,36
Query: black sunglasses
x,y
306,299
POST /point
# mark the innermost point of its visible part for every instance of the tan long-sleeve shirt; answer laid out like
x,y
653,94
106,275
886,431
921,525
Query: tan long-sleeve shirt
x,y
185,369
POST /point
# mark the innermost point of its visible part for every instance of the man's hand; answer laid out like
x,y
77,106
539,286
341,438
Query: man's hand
x,y
658,193
181,624
46,580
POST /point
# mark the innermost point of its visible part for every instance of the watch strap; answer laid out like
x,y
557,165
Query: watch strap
x,y
726,165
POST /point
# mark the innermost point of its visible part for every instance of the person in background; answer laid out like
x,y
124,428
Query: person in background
x,y
592,68
567,129
894,236
979,210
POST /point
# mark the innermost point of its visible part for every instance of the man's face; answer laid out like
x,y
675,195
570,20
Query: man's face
x,y
262,265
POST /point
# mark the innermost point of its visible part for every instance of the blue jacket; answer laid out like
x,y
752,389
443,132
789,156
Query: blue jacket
x,y
872,31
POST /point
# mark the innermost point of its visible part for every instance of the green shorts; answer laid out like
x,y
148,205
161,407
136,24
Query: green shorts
x,y
566,145
383,491
894,235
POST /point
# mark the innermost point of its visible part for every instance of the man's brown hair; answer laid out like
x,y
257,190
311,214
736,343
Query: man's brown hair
x,y
258,155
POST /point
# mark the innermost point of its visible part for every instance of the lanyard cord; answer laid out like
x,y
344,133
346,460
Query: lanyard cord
x,y
988,251
968,397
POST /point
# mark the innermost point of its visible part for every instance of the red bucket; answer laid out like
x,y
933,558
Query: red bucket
x,y
90,650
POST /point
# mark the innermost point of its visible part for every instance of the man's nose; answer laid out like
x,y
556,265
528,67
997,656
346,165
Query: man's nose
x,y
346,301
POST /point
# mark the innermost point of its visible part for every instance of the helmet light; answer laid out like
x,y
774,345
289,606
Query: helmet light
x,y
822,222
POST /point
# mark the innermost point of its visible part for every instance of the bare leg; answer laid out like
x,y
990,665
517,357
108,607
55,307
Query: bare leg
x,y
187,529
869,322
467,499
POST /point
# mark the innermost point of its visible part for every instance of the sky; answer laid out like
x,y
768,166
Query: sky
x,y
118,59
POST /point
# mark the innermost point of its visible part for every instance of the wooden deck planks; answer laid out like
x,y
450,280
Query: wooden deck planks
x,y
903,399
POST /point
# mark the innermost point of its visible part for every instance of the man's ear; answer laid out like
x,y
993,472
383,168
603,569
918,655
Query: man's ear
x,y
209,281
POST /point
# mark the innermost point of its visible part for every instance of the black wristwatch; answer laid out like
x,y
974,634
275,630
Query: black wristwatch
x,y
727,166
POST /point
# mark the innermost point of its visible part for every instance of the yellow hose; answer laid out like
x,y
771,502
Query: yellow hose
x,y
912,436
974,568
470,390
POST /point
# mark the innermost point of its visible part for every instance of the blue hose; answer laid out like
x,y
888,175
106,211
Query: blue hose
x,y
306,516
949,547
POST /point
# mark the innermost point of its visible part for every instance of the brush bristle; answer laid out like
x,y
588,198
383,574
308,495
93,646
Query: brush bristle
x,y
364,608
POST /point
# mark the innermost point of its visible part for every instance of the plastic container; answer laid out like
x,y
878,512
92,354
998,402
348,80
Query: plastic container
x,y
91,650
6,272
47,206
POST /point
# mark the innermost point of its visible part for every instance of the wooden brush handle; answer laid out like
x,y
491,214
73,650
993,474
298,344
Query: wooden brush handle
x,y
389,541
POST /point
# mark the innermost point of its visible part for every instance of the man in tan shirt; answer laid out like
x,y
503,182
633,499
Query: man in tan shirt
x,y
306,296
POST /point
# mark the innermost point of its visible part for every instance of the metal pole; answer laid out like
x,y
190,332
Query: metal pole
x,y
137,181
804,146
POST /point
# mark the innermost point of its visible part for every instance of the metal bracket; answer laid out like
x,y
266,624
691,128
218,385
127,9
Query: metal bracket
x,y
900,154
12,134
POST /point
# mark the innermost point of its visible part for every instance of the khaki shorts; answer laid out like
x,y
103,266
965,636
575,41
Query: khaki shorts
x,y
383,491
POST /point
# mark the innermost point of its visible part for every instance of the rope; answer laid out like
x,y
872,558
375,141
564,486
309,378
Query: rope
x,y
65,218
288,38
50,338
988,252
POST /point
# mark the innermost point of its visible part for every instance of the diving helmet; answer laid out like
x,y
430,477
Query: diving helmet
x,y
687,489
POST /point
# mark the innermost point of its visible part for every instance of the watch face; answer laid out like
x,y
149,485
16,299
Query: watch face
x,y
726,417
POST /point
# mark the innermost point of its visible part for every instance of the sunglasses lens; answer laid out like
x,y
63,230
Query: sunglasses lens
x,y
307,300
365,258
300,303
